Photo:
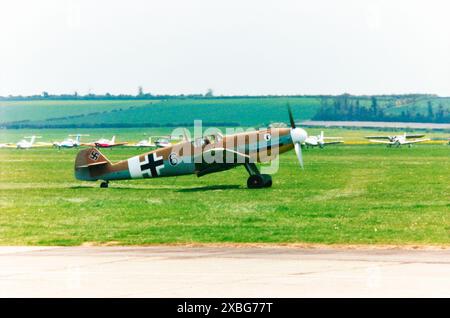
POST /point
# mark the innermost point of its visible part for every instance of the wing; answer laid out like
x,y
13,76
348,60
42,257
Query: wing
x,y
376,137
8,146
415,141
333,142
139,146
414,135
118,144
381,141
42,144
219,159
87,144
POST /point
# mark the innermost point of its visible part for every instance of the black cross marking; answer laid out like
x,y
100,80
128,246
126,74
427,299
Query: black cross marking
x,y
152,165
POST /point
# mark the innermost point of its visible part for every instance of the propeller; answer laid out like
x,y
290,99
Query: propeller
x,y
298,136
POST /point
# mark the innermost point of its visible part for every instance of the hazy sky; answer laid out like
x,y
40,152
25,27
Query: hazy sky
x,y
231,46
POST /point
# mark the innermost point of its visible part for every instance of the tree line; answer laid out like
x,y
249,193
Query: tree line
x,y
381,108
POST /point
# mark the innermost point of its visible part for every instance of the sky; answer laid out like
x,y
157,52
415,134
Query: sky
x,y
235,47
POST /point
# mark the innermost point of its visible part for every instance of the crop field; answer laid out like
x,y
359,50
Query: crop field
x,y
347,194
82,113
39,110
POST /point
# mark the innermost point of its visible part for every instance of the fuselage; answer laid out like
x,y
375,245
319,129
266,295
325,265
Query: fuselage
x,y
182,158
398,139
68,143
24,144
314,141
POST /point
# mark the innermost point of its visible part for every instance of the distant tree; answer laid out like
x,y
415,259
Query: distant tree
x,y
140,91
430,110
440,113
209,93
45,94
374,106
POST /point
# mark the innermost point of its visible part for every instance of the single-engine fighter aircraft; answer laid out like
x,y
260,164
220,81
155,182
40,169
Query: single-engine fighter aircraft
x,y
398,140
319,141
105,143
69,142
201,156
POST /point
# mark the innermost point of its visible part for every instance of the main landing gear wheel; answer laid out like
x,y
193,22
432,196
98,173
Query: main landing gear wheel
x,y
104,184
259,181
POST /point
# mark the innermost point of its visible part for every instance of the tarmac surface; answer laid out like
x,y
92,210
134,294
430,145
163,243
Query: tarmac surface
x,y
177,271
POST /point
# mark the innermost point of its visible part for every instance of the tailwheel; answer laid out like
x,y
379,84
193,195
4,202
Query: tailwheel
x,y
259,181
104,184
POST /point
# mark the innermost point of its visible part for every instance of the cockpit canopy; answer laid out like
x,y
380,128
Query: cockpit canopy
x,y
206,140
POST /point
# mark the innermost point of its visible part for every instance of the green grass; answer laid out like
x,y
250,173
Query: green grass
x,y
346,194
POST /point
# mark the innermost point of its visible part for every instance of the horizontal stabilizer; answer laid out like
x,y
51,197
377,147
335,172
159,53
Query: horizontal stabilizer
x,y
93,164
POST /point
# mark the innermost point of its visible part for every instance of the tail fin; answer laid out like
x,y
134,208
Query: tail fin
x,y
321,134
33,138
91,164
113,139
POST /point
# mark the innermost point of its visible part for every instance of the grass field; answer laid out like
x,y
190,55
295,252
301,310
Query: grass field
x,y
360,194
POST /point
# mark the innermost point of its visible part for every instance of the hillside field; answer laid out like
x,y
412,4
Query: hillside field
x,y
225,111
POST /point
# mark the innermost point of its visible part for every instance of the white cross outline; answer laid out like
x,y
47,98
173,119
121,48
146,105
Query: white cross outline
x,y
157,168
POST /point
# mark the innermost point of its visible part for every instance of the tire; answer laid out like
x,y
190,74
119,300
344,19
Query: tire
x,y
259,181
104,184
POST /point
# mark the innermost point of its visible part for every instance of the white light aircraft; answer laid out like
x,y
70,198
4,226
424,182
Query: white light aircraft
x,y
105,143
398,140
320,141
145,143
27,144
69,142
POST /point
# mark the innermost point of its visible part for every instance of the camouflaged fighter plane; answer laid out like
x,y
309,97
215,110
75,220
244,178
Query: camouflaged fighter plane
x,y
201,156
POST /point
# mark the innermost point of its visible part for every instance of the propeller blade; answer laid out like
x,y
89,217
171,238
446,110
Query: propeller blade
x,y
291,117
298,151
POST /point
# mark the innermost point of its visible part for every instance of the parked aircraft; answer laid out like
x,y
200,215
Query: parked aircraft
x,y
106,143
320,141
398,140
69,142
27,144
145,143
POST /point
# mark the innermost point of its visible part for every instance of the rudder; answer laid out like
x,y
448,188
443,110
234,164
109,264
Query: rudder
x,y
90,164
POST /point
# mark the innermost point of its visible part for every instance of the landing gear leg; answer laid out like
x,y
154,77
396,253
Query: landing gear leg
x,y
256,179
104,184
